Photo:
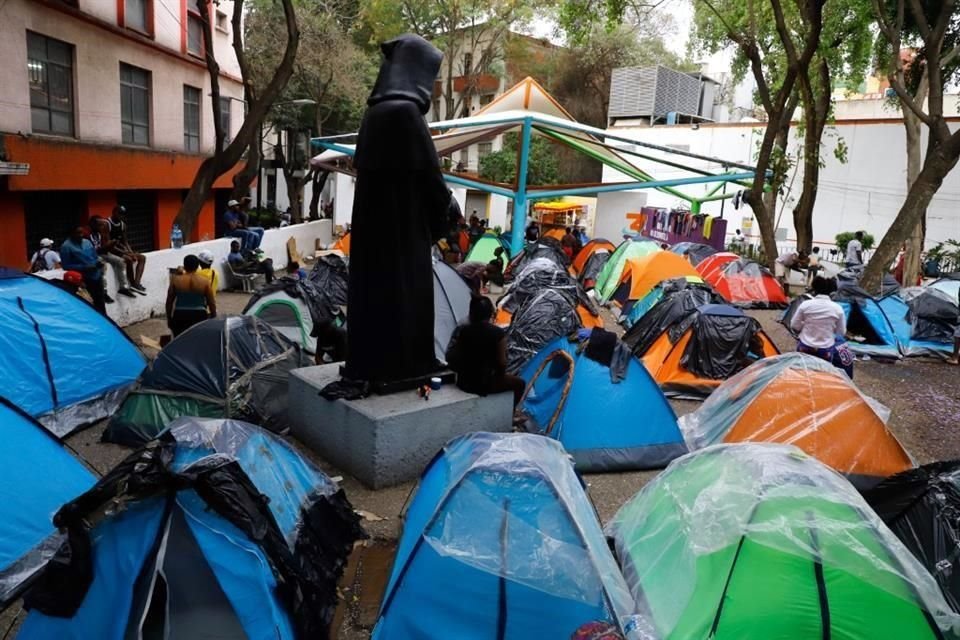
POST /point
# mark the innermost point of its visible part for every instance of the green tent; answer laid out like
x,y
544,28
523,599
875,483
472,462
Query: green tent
x,y
761,541
609,277
483,248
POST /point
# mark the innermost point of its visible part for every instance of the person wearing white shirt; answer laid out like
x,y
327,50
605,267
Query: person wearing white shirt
x,y
820,325
855,250
45,259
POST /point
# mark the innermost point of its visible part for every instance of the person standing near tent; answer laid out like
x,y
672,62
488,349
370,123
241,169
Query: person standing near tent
x,y
855,250
189,298
533,232
207,271
478,354
45,258
475,230
77,254
495,267
821,325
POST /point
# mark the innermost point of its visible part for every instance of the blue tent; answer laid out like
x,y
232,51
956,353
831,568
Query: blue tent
x,y
604,425
215,530
500,541
897,310
60,360
37,475
867,319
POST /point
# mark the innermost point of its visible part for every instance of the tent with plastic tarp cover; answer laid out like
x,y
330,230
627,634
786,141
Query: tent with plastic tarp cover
x,y
922,507
746,284
537,276
544,248
61,361
38,475
902,320
294,307
542,318
586,395
500,541
225,367
761,541
695,252
805,401
215,530
329,274
596,245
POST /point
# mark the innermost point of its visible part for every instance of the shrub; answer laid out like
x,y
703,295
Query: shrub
x,y
843,238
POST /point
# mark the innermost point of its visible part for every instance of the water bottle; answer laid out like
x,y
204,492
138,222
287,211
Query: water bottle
x,y
176,237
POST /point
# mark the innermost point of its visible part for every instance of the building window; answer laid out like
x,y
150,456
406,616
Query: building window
x,y
484,149
135,104
191,118
467,64
486,99
222,21
136,15
194,34
225,119
50,70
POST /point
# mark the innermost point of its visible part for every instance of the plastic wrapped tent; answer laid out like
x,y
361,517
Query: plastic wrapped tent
x,y
541,319
451,305
637,309
38,475
588,395
695,252
805,401
61,361
747,284
292,307
933,315
217,530
641,275
500,541
851,277
922,507
537,276
752,542
329,274
678,298
225,367
949,284
693,356
711,266
609,278
592,247
482,250
898,312
592,268
545,247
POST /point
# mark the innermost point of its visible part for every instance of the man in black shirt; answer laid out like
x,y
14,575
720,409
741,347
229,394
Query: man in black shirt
x,y
136,262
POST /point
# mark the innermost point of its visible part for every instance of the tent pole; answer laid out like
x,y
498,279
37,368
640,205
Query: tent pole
x,y
520,199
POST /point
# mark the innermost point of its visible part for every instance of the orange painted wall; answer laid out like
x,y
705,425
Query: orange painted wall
x,y
168,205
13,239
204,228
101,203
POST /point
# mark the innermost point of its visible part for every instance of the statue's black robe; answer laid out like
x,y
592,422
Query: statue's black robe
x,y
400,209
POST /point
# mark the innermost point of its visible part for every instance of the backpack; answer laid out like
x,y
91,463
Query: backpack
x,y
39,262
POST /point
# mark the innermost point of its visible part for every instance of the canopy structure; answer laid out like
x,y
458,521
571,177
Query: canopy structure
x,y
528,110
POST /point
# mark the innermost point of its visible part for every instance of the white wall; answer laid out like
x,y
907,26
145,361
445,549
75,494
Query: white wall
x,y
343,198
610,218
156,277
864,193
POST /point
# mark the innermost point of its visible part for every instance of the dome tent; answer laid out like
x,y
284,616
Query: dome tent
x,y
667,302
805,401
293,307
572,397
642,275
609,277
866,318
482,250
545,247
216,530
696,252
760,541
451,306
597,245
38,475
899,314
500,541
225,367
546,316
712,265
746,284
61,361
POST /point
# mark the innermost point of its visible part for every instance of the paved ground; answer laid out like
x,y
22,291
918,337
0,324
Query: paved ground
x,y
924,397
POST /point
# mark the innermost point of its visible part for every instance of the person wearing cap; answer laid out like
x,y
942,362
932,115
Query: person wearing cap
x,y
77,254
236,229
45,258
207,271
135,262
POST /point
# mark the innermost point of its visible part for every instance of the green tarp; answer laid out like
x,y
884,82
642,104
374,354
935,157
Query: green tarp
x,y
610,275
144,415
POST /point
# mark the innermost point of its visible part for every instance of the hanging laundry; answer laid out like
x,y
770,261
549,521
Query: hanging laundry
x,y
708,227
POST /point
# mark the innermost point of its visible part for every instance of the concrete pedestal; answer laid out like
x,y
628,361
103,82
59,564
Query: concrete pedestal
x,y
386,440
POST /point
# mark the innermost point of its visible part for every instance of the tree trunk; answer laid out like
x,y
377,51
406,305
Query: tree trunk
x,y
773,153
295,195
318,179
938,163
816,110
245,177
912,256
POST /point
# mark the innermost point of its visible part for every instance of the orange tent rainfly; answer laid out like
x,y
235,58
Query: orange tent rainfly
x,y
343,244
747,284
711,266
694,354
592,247
641,275
807,402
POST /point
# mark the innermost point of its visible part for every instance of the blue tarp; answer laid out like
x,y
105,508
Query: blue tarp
x,y
866,318
605,426
60,360
896,311
500,540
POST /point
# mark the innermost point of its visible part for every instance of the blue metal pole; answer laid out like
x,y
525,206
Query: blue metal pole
x,y
520,199
630,186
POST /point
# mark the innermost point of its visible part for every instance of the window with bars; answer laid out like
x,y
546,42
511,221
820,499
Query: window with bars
x,y
191,118
52,214
136,15
222,23
50,71
141,206
135,104
194,34
484,149
225,119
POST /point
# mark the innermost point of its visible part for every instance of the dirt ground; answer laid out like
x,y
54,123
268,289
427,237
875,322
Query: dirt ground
x,y
924,398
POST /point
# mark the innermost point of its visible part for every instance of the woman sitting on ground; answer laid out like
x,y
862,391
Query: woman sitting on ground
x,y
821,325
478,354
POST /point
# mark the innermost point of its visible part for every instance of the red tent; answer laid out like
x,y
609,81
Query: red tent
x,y
746,283
712,265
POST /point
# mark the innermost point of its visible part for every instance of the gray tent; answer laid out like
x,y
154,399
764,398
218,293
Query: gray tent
x,y
451,305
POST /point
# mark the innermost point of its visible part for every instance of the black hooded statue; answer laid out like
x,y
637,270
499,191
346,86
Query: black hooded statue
x,y
400,209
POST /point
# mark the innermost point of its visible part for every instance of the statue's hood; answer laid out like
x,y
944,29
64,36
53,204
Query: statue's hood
x,y
408,71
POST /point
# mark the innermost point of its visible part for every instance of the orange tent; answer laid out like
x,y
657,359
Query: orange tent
x,y
588,320
588,250
719,342
712,266
802,400
641,275
343,244
556,233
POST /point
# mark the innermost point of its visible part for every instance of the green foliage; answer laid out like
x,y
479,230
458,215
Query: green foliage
x,y
842,239
501,166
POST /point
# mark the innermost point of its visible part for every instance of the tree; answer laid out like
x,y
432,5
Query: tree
x,y
258,103
501,166
933,25
582,20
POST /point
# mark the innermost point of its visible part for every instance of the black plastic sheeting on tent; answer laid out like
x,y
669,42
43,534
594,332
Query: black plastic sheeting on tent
x,y
852,275
922,507
540,275
721,342
787,317
543,248
933,315
541,319
696,252
306,569
322,308
680,298
329,274
594,266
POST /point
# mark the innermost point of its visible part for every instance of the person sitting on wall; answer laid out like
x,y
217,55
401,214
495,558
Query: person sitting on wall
x,y
244,213
136,262
77,254
190,298
236,229
104,244
249,263
44,258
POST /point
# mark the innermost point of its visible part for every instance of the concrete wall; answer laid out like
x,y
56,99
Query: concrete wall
x,y
864,193
610,217
126,311
100,45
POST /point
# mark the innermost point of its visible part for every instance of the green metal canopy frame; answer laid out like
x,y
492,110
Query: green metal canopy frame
x,y
452,135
